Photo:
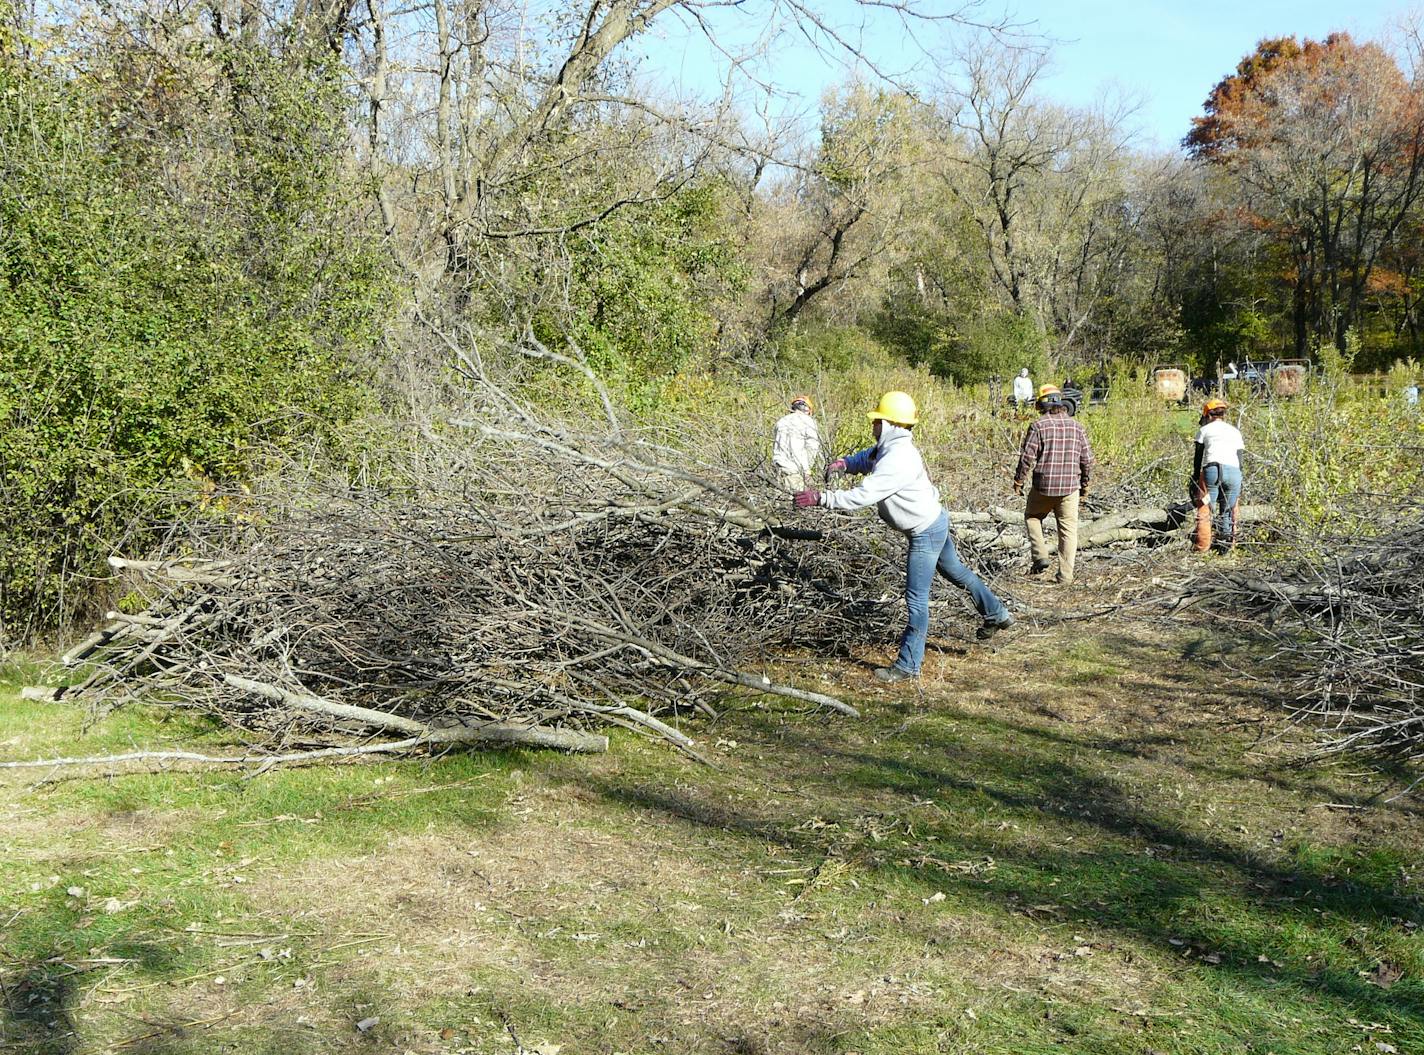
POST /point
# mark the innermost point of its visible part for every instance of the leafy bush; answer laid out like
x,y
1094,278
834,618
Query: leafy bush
x,y
1333,457
642,289
153,341
1141,444
1001,344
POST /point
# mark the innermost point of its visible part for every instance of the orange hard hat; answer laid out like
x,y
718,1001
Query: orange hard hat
x,y
1213,405
803,399
1049,390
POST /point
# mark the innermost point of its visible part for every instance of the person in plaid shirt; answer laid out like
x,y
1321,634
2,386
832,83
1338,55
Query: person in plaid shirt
x,y
1057,452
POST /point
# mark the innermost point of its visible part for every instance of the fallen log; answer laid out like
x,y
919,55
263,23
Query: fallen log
x,y
1126,526
1112,535
94,642
483,732
258,761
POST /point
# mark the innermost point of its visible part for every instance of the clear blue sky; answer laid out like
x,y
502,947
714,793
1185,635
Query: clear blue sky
x,y
1166,54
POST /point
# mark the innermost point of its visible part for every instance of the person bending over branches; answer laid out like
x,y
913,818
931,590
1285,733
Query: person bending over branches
x,y
897,484
796,445
1216,475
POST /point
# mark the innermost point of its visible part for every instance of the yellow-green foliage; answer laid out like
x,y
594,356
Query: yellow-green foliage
x,y
1328,458
1138,437
153,346
1401,375
1313,457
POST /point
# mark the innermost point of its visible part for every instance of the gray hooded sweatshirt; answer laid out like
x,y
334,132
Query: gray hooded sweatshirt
x,y
897,484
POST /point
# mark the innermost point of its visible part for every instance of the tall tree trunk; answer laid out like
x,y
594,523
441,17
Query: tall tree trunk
x,y
376,116
1299,306
444,147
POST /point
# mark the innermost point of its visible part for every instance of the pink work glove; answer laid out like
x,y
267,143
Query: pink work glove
x,y
808,497
837,466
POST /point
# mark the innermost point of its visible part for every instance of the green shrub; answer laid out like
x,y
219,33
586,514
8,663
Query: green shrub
x,y
642,287
1332,459
1001,344
146,356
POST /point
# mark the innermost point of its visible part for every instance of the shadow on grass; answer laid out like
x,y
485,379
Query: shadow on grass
x,y
1282,916
36,1009
1210,702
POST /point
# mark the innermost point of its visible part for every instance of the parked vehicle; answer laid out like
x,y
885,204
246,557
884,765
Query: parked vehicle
x,y
1205,386
1074,396
1256,374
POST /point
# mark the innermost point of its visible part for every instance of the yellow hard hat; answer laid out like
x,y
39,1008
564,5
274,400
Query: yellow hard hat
x,y
1049,390
897,408
804,399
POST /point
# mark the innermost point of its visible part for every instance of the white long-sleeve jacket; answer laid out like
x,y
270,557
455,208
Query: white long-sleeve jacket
x,y
795,443
898,485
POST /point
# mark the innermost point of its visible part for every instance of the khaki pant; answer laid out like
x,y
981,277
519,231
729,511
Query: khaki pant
x,y
1065,515
793,483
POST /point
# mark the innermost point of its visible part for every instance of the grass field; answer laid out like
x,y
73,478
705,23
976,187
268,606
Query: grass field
x,y
1078,842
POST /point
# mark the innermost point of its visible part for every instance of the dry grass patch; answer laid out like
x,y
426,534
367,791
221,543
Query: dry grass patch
x,y
693,942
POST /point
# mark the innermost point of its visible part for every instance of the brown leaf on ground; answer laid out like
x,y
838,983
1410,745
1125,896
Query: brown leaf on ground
x,y
1384,976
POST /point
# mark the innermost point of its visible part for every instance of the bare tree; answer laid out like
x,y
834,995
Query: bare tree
x,y
518,131
852,200
1042,184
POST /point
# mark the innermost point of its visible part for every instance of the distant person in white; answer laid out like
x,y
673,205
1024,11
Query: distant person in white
x,y
1411,394
1023,389
1217,468
796,446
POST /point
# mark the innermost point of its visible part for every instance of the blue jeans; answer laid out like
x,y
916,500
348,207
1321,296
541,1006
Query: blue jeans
x,y
1223,490
930,551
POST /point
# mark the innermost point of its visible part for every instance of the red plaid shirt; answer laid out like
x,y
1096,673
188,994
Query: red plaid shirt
x,y
1057,451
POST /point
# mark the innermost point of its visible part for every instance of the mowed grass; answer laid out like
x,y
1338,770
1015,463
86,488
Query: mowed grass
x,y
1078,842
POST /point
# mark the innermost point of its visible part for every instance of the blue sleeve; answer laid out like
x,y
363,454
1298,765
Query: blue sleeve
x,y
861,462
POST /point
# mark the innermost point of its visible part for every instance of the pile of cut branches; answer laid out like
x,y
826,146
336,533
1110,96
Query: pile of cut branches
x,y
1346,622
526,583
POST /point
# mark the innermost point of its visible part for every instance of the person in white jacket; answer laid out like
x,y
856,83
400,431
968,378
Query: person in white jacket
x,y
1023,389
897,484
795,446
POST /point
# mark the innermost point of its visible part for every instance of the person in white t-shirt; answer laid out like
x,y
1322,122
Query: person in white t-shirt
x,y
1216,471
1023,389
796,446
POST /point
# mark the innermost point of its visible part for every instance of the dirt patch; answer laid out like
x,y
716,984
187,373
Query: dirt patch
x,y
71,838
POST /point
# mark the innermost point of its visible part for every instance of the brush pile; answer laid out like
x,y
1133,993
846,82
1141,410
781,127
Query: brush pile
x,y
1347,624
525,583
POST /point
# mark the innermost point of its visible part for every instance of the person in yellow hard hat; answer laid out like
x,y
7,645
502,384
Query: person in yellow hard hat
x,y
796,446
897,484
